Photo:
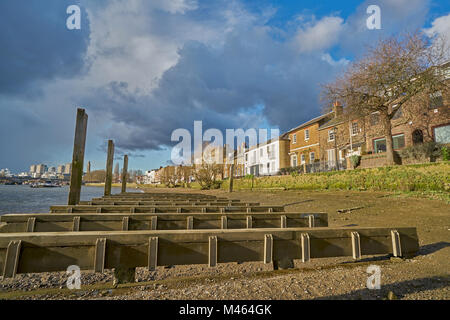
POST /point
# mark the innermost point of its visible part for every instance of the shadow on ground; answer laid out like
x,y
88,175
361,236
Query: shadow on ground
x,y
433,247
400,289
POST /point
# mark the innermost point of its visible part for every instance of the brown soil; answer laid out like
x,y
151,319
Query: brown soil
x,y
426,276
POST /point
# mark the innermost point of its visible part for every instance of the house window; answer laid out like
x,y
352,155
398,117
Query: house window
x,y
307,134
294,138
442,134
246,157
294,160
302,157
268,167
312,157
436,100
374,119
397,140
331,135
354,128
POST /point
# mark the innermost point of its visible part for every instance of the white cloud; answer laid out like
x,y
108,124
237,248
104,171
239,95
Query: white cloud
x,y
175,6
320,35
328,58
440,27
136,41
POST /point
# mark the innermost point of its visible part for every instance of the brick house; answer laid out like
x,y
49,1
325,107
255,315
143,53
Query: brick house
x,y
304,141
341,137
426,119
430,123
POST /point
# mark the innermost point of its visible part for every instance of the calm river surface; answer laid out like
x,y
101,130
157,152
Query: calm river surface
x,y
23,199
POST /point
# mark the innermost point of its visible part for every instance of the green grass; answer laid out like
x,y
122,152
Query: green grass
x,y
433,177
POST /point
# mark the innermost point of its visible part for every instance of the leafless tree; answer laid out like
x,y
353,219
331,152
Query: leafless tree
x,y
207,174
388,77
170,176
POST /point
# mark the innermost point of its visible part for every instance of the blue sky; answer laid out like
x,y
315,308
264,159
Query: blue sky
x,y
143,68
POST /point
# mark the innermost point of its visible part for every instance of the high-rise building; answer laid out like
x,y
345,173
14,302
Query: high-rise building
x,y
60,169
88,167
41,168
33,168
68,168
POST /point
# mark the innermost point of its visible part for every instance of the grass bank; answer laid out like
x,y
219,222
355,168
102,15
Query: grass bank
x,y
433,177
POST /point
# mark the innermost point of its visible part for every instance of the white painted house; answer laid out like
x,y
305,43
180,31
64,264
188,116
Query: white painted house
x,y
267,158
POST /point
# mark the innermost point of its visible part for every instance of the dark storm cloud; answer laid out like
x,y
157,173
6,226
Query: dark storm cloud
x,y
36,45
220,86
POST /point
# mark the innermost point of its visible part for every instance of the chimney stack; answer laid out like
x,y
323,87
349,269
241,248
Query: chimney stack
x,y
338,109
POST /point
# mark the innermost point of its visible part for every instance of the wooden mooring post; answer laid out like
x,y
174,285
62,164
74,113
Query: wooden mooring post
x,y
109,168
76,174
124,173
231,178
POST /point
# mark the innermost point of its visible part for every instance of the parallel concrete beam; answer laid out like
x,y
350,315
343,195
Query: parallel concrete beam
x,y
173,203
56,222
47,252
166,209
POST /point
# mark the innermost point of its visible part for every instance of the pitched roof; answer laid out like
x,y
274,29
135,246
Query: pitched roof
x,y
332,122
317,119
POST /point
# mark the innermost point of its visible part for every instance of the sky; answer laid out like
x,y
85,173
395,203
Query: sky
x,y
142,69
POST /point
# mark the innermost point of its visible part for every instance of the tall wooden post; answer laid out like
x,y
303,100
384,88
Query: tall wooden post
x,y
124,173
231,178
76,175
109,168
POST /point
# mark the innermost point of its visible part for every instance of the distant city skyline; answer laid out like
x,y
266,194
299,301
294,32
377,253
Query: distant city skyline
x,y
232,64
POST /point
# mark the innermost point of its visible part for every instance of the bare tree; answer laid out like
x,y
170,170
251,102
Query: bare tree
x,y
170,176
207,175
185,174
388,77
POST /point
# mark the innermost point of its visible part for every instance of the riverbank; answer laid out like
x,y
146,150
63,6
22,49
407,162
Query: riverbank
x,y
425,276
114,185
432,177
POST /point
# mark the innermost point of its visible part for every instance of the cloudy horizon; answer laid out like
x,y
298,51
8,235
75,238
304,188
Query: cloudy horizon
x,y
142,69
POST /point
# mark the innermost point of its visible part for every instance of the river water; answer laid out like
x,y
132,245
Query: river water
x,y
23,199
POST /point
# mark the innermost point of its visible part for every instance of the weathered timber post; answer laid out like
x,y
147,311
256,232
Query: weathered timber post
x,y
124,173
231,178
109,168
76,174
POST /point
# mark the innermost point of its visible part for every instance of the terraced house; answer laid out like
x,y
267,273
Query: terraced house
x,y
304,145
267,158
340,138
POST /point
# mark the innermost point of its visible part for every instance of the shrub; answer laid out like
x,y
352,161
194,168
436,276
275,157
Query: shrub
x,y
427,150
445,151
355,160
